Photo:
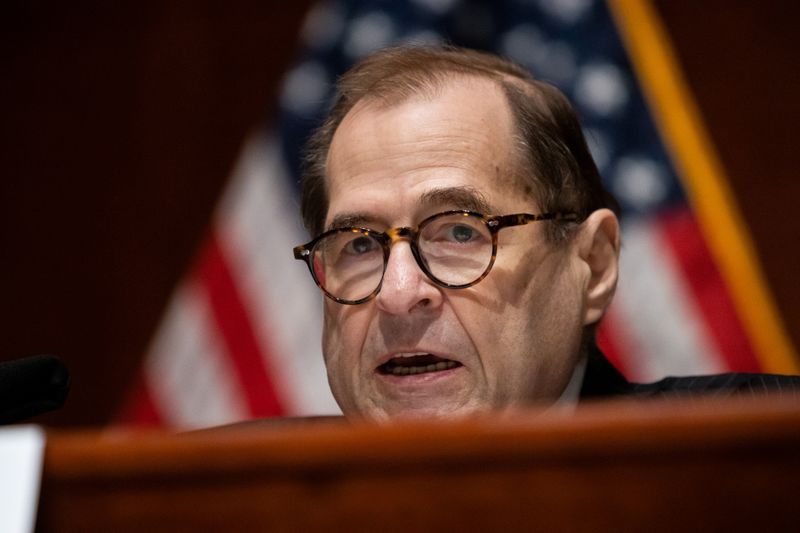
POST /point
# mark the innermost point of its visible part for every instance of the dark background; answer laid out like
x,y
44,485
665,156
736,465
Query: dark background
x,y
121,122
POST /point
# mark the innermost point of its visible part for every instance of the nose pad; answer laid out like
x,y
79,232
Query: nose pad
x,y
405,286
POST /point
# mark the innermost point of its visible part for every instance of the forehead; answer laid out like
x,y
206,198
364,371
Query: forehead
x,y
388,157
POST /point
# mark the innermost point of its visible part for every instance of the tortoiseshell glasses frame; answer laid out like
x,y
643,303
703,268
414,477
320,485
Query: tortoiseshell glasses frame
x,y
456,241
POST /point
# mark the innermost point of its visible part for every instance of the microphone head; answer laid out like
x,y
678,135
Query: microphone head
x,y
32,386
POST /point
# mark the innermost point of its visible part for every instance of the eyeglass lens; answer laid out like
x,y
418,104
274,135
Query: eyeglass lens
x,y
456,249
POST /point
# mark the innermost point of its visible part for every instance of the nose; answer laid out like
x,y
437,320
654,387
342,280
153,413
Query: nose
x,y
406,288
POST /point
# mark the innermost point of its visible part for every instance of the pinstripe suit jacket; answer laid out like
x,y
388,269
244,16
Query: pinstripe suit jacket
x,y
603,380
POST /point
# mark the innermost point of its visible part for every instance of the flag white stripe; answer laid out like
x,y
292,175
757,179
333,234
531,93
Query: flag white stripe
x,y
187,372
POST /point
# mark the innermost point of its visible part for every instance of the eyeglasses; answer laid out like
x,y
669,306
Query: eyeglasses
x,y
455,249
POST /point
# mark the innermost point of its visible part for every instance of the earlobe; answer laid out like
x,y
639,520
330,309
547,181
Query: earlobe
x,y
599,249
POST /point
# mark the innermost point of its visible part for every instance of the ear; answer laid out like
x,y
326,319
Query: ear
x,y
598,247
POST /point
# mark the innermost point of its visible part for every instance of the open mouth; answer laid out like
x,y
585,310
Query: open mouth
x,y
416,364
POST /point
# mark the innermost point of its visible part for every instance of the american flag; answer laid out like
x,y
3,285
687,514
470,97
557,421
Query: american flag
x,y
241,335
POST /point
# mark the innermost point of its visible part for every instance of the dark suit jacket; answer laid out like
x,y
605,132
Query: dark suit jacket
x,y
602,380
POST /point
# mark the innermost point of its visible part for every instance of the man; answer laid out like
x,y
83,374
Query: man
x,y
465,242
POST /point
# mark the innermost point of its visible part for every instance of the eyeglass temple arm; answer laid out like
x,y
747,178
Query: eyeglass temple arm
x,y
301,252
520,219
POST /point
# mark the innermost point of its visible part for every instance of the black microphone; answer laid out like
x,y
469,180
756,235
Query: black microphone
x,y
31,386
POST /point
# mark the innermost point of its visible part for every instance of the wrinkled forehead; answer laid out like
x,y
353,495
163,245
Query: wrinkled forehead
x,y
466,117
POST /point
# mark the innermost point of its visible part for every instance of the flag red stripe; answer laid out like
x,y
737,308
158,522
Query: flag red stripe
x,y
679,228
236,331
610,341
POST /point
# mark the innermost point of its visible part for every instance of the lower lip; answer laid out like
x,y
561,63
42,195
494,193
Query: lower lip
x,y
420,379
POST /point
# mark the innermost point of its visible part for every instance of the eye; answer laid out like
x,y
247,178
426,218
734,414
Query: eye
x,y
360,245
457,233
456,230
460,233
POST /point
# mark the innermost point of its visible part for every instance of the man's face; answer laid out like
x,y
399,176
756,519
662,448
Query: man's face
x,y
515,336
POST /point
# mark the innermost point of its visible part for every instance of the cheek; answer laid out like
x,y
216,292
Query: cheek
x,y
335,353
525,321
555,310
344,331
557,320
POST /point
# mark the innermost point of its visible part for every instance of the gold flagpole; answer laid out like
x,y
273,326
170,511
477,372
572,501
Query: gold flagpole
x,y
679,122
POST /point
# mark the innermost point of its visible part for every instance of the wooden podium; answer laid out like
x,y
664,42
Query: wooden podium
x,y
700,466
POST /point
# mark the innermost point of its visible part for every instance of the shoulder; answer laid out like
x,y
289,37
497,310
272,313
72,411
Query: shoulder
x,y
720,385
603,380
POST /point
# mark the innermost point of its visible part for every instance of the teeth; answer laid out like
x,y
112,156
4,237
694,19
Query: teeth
x,y
433,367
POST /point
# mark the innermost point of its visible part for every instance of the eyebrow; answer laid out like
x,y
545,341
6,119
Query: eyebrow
x,y
464,197
350,220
